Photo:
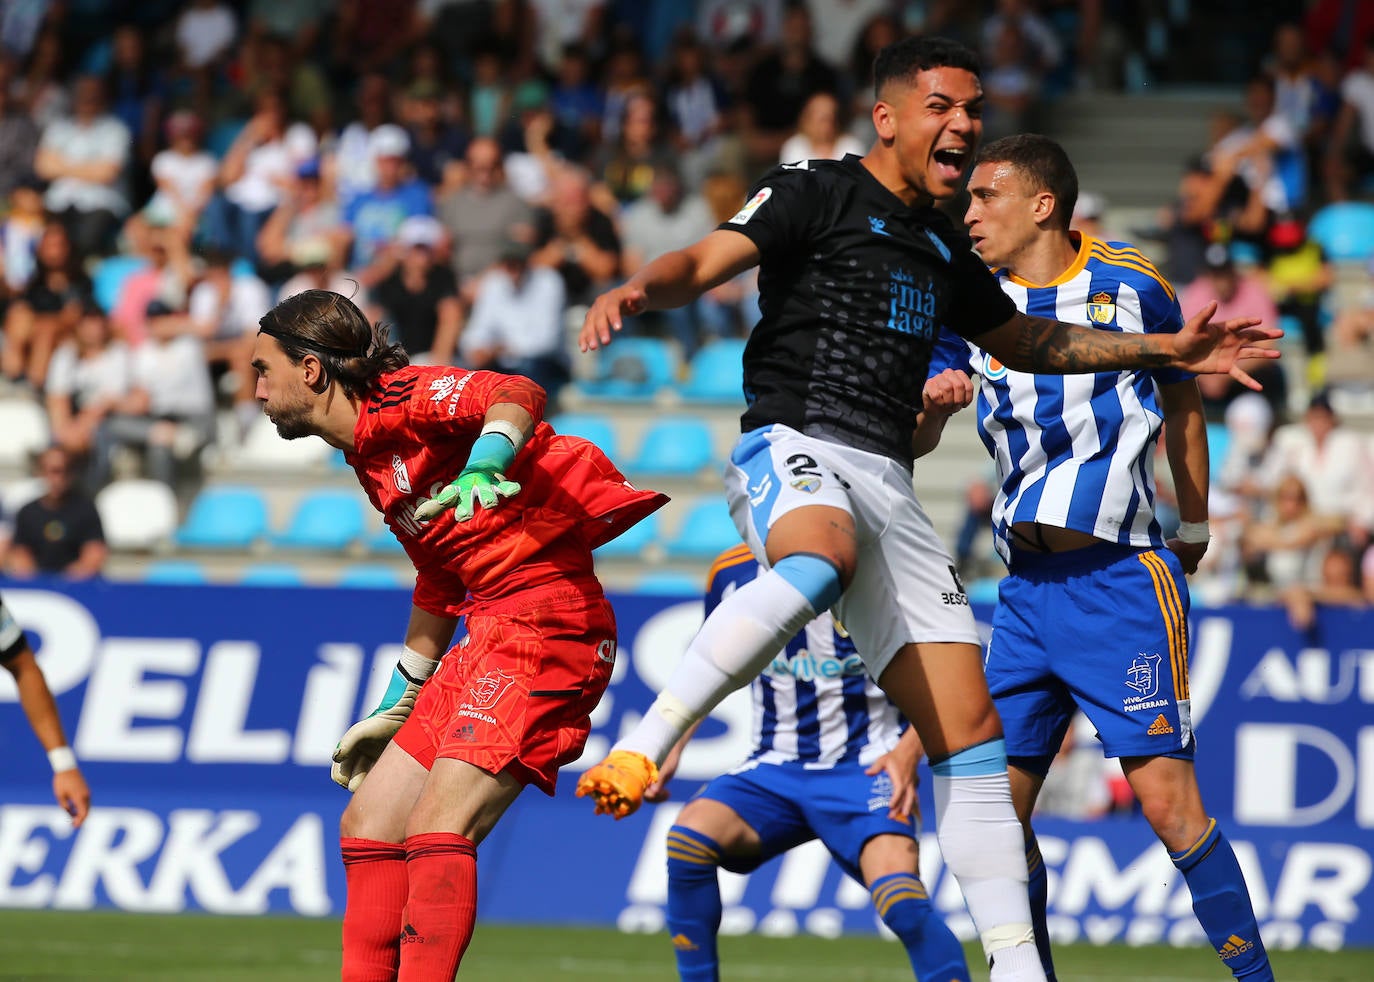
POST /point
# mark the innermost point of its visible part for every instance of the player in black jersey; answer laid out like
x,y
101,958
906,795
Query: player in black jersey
x,y
858,271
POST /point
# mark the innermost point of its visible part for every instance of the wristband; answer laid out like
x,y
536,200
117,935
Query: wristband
x,y
1194,533
492,450
62,759
507,429
415,666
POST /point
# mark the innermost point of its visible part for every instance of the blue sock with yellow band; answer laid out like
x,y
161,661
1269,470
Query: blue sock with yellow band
x,y
1221,901
694,906
903,904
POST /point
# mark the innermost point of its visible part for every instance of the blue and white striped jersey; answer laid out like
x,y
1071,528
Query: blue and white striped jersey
x,y
814,703
1077,451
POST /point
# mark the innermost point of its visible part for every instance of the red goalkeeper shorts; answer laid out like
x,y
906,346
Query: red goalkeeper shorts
x,y
517,693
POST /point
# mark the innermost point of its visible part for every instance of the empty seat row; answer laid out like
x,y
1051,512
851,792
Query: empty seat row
x,y
187,572
632,369
230,517
675,446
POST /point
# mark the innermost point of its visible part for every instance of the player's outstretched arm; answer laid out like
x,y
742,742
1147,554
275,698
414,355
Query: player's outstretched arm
x,y
673,279
427,638
68,784
1036,344
1185,442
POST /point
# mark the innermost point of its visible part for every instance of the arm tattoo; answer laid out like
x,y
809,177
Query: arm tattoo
x,y
1053,347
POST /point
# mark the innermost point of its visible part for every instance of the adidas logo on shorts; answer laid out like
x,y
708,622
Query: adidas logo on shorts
x,y
1160,727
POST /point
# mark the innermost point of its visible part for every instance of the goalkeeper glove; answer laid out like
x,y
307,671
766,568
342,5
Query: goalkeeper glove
x,y
483,478
365,740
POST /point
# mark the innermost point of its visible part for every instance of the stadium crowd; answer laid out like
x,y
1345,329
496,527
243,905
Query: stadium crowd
x,y
473,171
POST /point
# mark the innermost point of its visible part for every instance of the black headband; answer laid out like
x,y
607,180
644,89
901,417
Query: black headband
x,y
319,346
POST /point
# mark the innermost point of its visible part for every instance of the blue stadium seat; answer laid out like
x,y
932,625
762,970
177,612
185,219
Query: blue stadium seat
x,y
271,574
329,519
111,275
675,446
589,426
224,518
633,369
175,572
667,582
716,373
384,541
632,543
706,531
372,576
1218,443
1345,231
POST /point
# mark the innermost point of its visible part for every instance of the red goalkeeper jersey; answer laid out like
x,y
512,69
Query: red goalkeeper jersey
x,y
414,434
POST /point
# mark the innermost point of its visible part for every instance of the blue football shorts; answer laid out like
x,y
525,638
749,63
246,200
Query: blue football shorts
x,y
788,804
1102,629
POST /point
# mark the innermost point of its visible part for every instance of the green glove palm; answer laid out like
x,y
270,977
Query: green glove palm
x,y
477,482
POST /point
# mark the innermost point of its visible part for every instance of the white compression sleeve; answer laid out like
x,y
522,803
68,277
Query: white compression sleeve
x,y
738,640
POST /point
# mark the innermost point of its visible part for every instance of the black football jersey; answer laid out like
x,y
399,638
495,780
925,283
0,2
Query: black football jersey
x,y
854,285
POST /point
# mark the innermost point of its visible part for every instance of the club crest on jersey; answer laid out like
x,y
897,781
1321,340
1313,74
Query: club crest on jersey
x,y
993,370
752,205
399,476
810,485
488,690
1101,308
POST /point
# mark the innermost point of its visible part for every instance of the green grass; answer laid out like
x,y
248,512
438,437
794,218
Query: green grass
x,y
113,947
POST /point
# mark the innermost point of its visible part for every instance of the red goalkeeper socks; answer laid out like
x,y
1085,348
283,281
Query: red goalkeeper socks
x,y
376,876
441,908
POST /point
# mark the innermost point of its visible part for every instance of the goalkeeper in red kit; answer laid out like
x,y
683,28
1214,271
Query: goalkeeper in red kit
x,y
499,515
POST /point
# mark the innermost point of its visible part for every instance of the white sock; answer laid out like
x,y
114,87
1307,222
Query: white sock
x,y
984,847
738,640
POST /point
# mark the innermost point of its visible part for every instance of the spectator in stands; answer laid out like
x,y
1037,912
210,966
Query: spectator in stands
x,y
1342,26
820,133
1337,584
1299,277
574,238
560,23
185,178
205,32
627,166
1040,47
436,145
223,310
516,325
40,90
1266,151
577,104
83,158
18,134
138,93
370,35
375,215
1328,457
781,82
89,375
308,221
166,279
419,296
695,107
1350,362
169,412
1299,95
837,26
664,220
20,231
1011,83
318,267
726,23
48,309
481,214
1088,216
355,164
736,301
880,31
267,63
58,533
298,22
1285,549
1249,422
255,173
1350,151
1186,224
1237,293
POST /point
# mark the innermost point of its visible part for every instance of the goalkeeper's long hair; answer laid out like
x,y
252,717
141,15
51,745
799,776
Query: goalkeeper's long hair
x,y
330,326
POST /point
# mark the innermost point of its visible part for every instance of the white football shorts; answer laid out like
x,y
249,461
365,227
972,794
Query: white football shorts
x,y
905,586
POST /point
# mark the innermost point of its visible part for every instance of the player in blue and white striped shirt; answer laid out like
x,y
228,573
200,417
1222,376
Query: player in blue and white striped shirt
x,y
1094,612
830,762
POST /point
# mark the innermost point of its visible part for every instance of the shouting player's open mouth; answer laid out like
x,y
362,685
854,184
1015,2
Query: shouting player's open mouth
x,y
950,161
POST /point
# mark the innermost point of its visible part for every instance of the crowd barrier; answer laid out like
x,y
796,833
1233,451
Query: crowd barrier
x,y
204,718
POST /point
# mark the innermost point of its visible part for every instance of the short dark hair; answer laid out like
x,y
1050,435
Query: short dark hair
x,y
1044,162
905,59
331,327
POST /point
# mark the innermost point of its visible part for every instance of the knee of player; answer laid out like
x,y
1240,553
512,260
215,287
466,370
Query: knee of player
x,y
692,854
